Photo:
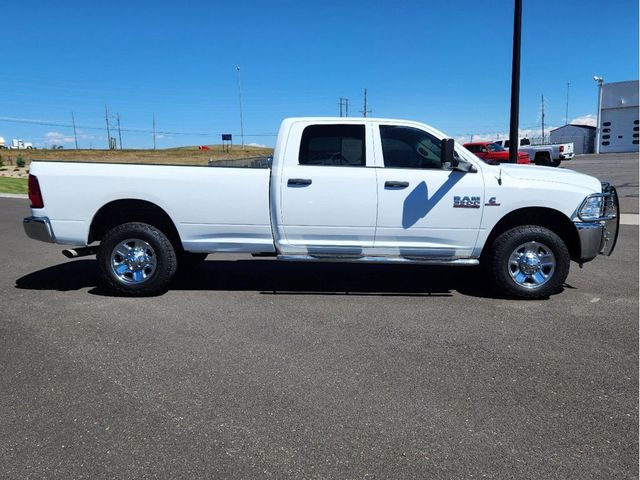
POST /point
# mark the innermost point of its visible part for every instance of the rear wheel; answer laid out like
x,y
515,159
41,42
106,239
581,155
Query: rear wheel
x,y
542,160
529,262
556,163
136,259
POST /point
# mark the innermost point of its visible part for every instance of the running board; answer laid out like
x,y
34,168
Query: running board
x,y
460,262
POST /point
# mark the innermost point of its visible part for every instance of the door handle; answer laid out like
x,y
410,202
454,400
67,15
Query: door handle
x,y
298,182
394,184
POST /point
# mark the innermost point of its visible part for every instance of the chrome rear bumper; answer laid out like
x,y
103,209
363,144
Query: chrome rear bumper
x,y
38,228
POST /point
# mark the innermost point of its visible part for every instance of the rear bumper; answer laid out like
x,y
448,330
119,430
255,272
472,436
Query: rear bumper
x,y
38,228
567,156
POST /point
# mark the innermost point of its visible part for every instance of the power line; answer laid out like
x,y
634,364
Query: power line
x,y
52,123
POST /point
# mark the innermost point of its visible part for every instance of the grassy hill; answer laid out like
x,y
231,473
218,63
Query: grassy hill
x,y
175,156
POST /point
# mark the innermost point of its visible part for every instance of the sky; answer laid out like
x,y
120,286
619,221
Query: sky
x,y
447,64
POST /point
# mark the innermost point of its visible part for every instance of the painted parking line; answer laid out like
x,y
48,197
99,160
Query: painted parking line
x,y
629,218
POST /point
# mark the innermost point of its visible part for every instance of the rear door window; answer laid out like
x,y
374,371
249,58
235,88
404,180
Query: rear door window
x,y
333,145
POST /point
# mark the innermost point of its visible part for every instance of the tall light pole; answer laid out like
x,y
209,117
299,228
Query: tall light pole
x,y
240,99
515,82
599,80
566,112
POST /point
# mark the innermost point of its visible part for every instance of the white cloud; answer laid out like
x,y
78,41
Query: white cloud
x,y
589,119
57,138
522,133
256,145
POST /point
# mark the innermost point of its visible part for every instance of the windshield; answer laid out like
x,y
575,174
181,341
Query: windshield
x,y
494,147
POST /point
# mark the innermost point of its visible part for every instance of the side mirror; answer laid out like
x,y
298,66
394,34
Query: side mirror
x,y
447,150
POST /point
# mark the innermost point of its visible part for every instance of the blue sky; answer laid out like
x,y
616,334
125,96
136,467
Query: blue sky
x,y
444,63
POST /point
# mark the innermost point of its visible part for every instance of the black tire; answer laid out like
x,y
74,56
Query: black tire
x,y
190,260
556,163
161,252
543,160
509,243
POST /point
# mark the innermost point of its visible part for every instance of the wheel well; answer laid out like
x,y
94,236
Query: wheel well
x,y
132,210
554,220
542,155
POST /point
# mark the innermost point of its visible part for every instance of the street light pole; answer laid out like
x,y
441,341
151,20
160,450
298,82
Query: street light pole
x,y
240,99
599,80
515,83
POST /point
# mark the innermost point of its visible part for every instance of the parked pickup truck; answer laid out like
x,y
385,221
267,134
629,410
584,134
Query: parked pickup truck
x,y
491,152
339,190
546,155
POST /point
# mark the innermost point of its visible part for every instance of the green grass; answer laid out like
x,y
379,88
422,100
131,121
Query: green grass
x,y
13,185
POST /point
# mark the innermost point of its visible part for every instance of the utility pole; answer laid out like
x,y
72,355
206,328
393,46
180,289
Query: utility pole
x,y
240,99
344,102
119,133
542,110
154,131
366,110
515,82
75,133
106,117
566,113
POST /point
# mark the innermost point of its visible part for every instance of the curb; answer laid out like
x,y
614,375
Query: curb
x,y
14,195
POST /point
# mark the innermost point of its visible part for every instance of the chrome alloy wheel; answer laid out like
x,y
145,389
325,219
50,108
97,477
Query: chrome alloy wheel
x,y
133,261
532,264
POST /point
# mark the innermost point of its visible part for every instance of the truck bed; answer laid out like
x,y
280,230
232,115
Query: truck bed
x,y
214,209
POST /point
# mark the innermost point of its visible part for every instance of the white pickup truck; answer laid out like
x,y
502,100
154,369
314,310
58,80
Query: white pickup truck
x,y
338,189
545,155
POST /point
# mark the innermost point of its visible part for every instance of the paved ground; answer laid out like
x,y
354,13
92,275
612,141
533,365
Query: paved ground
x,y
258,369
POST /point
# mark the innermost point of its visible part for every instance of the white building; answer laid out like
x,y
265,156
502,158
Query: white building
x,y
583,137
619,117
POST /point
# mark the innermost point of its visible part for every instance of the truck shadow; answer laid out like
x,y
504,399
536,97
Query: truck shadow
x,y
271,277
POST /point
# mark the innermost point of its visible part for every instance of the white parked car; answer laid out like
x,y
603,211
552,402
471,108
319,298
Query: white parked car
x,y
338,189
545,155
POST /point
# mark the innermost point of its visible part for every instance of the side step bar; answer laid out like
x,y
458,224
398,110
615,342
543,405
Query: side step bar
x,y
461,262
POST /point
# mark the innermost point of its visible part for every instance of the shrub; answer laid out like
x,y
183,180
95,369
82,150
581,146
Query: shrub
x,y
20,162
1,162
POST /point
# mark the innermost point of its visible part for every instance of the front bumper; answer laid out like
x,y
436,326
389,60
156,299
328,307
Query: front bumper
x,y
38,228
599,237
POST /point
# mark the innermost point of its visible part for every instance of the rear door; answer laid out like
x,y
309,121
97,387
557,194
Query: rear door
x,y
328,190
424,210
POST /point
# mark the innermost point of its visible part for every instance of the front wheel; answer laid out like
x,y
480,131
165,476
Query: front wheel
x,y
136,259
529,262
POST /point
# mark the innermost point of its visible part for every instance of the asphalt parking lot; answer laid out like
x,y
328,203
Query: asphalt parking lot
x,y
259,369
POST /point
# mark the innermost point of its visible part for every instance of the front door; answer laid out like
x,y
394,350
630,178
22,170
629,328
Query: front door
x,y
424,210
328,193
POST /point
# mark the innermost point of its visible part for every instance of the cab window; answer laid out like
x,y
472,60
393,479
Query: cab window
x,y
333,145
408,147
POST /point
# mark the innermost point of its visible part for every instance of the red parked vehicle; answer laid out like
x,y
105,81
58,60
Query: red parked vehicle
x,y
491,152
